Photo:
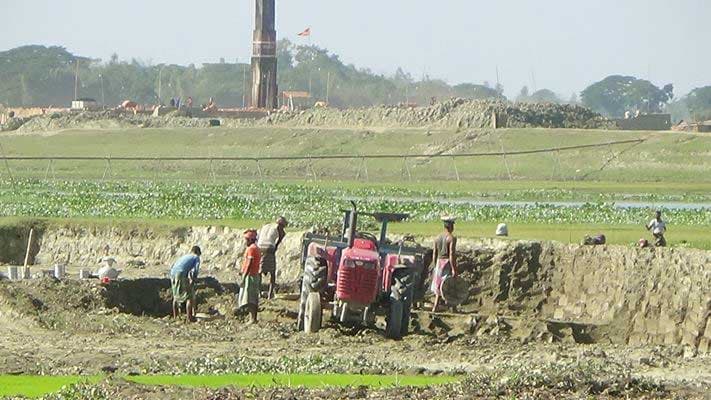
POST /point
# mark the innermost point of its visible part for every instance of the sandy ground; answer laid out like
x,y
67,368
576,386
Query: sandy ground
x,y
71,328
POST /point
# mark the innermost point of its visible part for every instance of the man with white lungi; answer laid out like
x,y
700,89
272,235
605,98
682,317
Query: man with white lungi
x,y
269,239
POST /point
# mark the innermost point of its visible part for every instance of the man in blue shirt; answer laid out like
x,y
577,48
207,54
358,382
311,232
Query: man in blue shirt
x,y
183,276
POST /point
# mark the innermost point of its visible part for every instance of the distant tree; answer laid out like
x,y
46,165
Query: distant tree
x,y
544,96
616,94
574,99
698,102
523,94
476,92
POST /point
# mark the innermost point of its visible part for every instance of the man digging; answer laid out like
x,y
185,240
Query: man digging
x,y
183,276
270,237
250,276
445,259
658,228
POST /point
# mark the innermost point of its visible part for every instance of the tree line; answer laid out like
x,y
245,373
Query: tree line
x,y
45,76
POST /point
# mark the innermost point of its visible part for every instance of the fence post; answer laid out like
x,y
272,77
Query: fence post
x,y
259,168
107,169
212,172
406,168
506,162
7,166
456,170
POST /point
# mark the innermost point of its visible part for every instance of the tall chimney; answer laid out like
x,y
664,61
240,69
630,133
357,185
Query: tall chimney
x,y
264,63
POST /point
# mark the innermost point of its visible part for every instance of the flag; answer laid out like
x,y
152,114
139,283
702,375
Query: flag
x,y
306,32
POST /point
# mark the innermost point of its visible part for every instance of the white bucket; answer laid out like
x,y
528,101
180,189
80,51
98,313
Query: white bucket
x,y
59,271
12,273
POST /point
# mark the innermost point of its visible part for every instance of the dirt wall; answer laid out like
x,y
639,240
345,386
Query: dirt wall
x,y
147,248
633,296
636,296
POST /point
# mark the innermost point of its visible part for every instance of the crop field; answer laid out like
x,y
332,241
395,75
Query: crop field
x,y
530,214
609,189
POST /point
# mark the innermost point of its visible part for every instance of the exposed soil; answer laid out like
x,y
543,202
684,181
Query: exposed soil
x,y
542,320
82,327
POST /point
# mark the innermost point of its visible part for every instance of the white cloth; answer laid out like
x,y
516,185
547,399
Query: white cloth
x,y
268,236
108,272
107,261
502,230
657,227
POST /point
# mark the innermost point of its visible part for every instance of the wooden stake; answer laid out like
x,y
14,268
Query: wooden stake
x,y
29,246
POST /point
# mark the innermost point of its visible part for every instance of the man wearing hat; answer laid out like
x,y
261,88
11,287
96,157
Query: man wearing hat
x,y
251,278
445,258
183,276
269,238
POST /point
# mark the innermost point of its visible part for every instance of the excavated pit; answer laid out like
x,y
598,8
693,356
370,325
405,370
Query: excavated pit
x,y
534,291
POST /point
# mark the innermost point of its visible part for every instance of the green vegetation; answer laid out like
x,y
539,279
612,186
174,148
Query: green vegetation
x,y
268,380
616,94
561,196
35,386
662,158
45,75
303,204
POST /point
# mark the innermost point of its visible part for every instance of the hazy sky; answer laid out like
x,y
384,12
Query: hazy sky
x,y
563,45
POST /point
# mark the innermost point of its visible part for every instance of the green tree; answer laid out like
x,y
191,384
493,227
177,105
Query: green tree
x,y
616,94
698,102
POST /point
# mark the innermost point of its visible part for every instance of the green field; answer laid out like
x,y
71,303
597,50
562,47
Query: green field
x,y
559,196
35,386
663,157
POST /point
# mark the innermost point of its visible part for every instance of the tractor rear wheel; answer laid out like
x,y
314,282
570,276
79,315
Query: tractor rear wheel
x,y
402,291
313,313
393,324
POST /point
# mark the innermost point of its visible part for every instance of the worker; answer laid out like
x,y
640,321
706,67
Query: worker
x,y
251,280
658,228
107,269
502,230
269,239
445,258
183,277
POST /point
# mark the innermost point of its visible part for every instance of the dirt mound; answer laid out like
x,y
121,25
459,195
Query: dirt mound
x,y
454,113
73,304
110,119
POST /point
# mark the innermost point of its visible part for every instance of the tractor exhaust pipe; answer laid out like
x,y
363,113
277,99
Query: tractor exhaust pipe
x,y
352,224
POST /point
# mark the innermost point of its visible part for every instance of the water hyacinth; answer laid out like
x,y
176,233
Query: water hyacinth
x,y
303,204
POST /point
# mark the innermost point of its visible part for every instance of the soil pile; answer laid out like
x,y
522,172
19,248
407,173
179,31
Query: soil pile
x,y
109,119
454,113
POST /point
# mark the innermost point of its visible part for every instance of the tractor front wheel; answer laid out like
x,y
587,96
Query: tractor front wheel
x,y
313,313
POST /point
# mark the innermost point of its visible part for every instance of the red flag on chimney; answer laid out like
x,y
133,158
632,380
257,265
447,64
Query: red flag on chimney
x,y
306,32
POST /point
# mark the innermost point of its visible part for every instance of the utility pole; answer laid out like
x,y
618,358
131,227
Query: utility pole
x,y
103,99
76,80
328,84
160,81
244,86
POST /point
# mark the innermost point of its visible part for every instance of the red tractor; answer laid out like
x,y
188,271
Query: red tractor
x,y
360,276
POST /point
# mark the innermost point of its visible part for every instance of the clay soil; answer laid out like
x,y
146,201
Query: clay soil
x,y
82,327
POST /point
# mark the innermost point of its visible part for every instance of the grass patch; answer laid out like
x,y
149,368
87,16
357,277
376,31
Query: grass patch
x,y
685,236
684,157
35,386
305,380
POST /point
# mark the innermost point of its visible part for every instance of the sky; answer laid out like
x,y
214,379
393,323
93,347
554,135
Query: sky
x,y
562,45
